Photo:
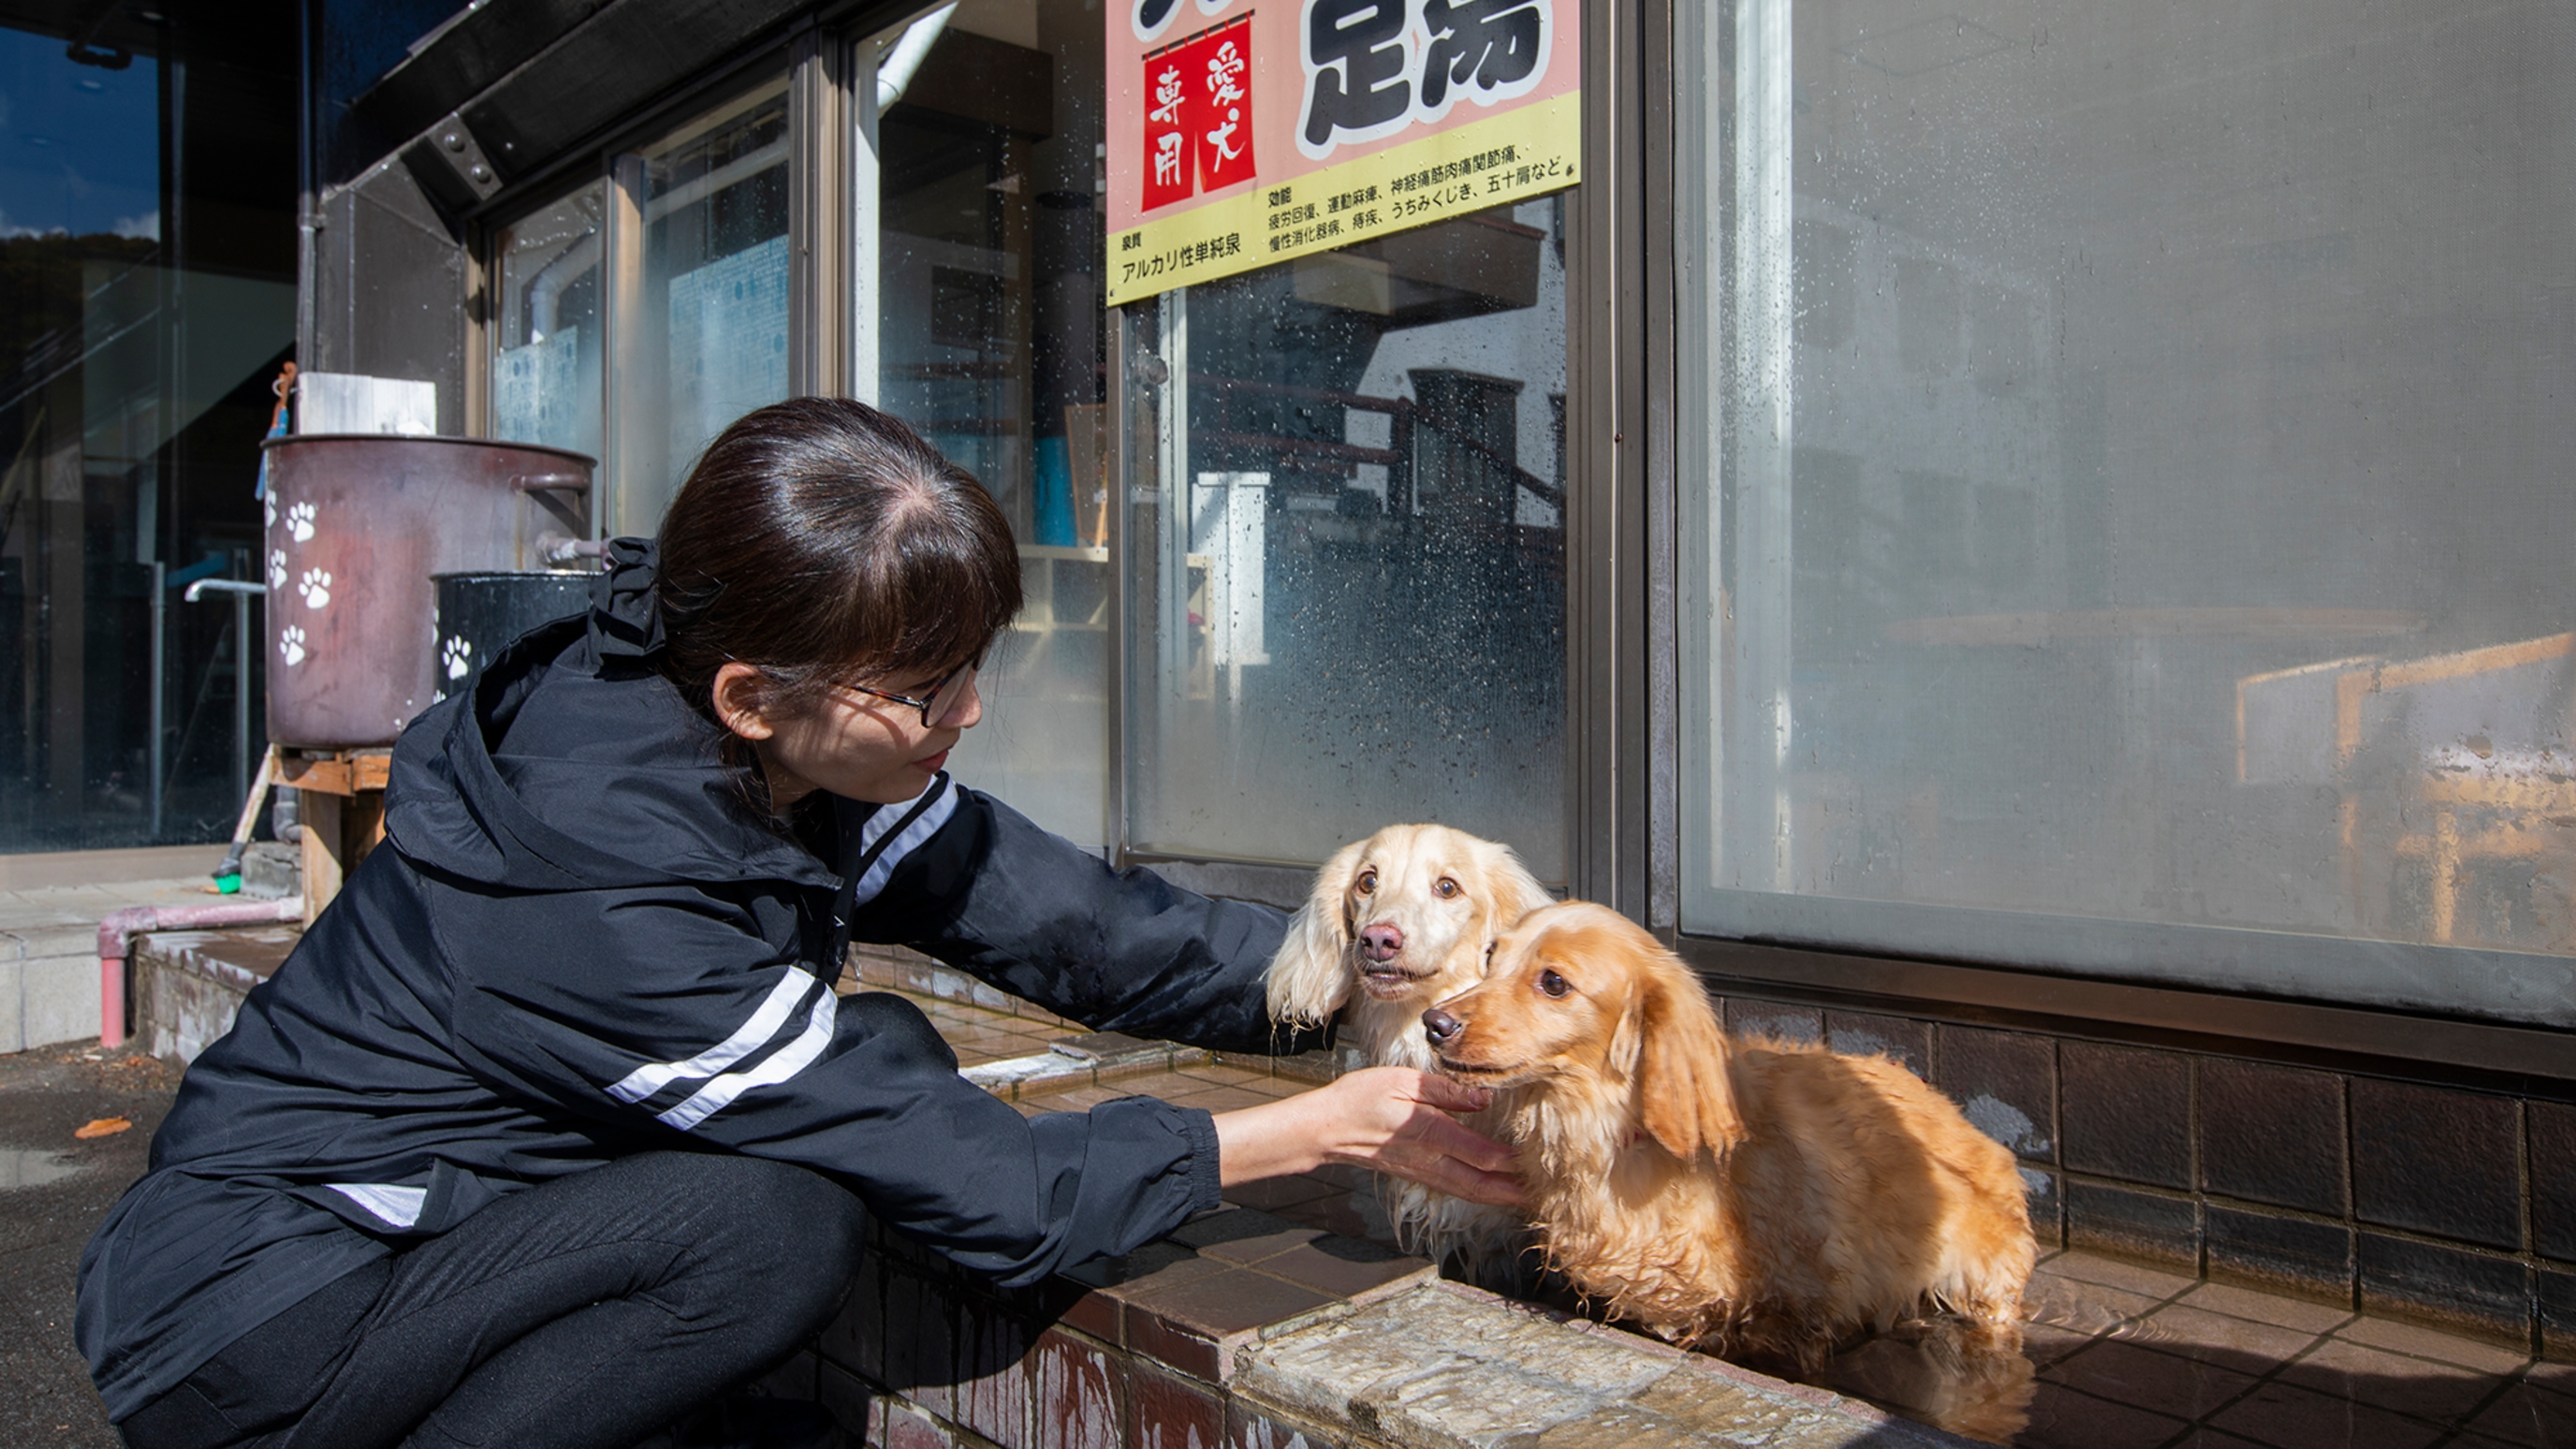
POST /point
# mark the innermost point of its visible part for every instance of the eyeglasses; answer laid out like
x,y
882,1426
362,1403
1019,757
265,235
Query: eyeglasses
x,y
943,696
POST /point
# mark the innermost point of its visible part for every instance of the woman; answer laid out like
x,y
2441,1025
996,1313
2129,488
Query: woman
x,y
552,1128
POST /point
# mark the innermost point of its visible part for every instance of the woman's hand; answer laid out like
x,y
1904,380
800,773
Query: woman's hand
x,y
1391,1119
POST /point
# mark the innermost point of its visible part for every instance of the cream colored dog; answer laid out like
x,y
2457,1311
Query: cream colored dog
x,y
1750,1197
1398,922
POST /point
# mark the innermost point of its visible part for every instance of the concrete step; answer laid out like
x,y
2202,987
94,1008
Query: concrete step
x,y
188,984
49,953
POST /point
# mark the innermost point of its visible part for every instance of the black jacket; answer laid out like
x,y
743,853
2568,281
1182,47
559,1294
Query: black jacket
x,y
578,943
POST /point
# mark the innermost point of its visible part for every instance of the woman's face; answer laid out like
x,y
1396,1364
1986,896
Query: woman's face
x,y
855,745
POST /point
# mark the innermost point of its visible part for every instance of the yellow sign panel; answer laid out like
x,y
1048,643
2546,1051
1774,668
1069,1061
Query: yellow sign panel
x,y
1522,153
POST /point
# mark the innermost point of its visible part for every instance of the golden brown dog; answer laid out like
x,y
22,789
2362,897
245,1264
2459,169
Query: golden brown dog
x,y
1750,1197
1395,923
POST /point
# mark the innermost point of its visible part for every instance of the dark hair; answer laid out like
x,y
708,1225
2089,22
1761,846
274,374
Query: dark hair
x,y
824,542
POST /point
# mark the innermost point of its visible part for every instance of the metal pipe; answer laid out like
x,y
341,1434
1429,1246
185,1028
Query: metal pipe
x,y
557,550
119,928
159,614
904,60
308,171
241,591
546,288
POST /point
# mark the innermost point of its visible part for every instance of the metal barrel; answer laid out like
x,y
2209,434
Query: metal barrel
x,y
357,525
480,613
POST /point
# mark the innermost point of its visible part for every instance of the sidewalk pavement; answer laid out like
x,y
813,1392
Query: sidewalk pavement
x,y
54,1188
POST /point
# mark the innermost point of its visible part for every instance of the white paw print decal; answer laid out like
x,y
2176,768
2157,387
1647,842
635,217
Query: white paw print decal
x,y
299,521
458,656
268,508
316,588
277,571
290,646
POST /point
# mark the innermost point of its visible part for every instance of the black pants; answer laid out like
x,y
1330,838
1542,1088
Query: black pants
x,y
592,1311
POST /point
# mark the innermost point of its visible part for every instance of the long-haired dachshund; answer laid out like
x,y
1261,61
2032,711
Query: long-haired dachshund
x,y
1395,923
1753,1198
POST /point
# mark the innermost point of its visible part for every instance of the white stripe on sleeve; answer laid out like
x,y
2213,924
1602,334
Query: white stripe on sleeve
x,y
923,826
762,1024
389,1203
782,1064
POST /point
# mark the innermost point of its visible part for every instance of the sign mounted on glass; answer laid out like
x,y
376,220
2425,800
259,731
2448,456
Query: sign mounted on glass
x,y
1246,132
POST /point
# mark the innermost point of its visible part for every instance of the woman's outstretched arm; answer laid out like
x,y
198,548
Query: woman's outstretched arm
x,y
1393,1119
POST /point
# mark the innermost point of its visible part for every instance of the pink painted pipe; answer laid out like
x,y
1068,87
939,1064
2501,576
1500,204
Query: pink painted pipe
x,y
116,934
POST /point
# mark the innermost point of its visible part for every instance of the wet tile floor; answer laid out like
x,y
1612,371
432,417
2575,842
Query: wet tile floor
x,y
2126,1357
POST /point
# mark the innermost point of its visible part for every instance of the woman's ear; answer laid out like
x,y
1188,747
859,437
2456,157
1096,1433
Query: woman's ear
x,y
1310,978
740,694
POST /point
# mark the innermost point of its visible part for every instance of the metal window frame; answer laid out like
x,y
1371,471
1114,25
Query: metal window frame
x,y
821,265
822,58
1629,808
1621,739
810,60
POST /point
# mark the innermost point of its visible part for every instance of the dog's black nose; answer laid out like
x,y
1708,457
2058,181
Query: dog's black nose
x,y
1440,1025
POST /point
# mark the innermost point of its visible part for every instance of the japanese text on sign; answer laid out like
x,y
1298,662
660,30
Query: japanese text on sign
x,y
1374,67
1220,110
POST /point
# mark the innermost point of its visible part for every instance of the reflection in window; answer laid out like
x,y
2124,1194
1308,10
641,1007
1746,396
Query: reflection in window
x,y
147,300
1350,596
545,363
987,318
706,340
2130,488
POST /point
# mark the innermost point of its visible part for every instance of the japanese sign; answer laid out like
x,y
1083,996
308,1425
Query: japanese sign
x,y
1247,132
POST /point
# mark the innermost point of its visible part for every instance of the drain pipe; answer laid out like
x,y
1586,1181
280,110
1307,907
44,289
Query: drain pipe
x,y
117,932
895,73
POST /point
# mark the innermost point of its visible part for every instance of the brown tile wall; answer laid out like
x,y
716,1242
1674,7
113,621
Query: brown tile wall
x,y
2453,1206
2448,1205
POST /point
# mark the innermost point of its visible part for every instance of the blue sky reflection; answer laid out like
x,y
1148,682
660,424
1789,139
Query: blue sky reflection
x,y
80,147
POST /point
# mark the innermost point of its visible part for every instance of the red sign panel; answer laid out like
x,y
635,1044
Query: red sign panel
x,y
1198,114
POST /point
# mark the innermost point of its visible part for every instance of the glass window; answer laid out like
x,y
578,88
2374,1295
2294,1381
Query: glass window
x,y
147,302
702,339
983,329
2124,451
546,346
1348,549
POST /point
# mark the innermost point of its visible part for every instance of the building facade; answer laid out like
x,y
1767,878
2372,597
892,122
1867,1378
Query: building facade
x,y
2036,541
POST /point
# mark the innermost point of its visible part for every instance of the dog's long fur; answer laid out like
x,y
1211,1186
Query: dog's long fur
x,y
1754,1198
1450,894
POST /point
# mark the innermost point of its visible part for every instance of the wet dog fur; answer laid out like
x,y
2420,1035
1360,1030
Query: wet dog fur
x,y
1757,1199
1395,923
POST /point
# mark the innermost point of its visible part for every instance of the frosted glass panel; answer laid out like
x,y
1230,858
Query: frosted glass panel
x,y
1347,591
2124,467
728,342
545,363
702,334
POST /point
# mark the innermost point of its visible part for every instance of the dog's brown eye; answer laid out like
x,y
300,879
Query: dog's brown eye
x,y
1446,888
1367,882
1552,984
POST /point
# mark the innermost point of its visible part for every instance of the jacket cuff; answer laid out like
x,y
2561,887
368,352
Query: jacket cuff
x,y
1207,1181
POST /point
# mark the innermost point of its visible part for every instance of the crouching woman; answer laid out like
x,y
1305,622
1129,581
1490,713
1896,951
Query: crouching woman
x,y
553,1129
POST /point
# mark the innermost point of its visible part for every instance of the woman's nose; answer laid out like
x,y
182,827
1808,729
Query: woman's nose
x,y
968,709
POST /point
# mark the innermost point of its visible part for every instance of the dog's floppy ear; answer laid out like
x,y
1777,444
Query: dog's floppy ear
x,y
1683,1100
1514,890
1310,978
